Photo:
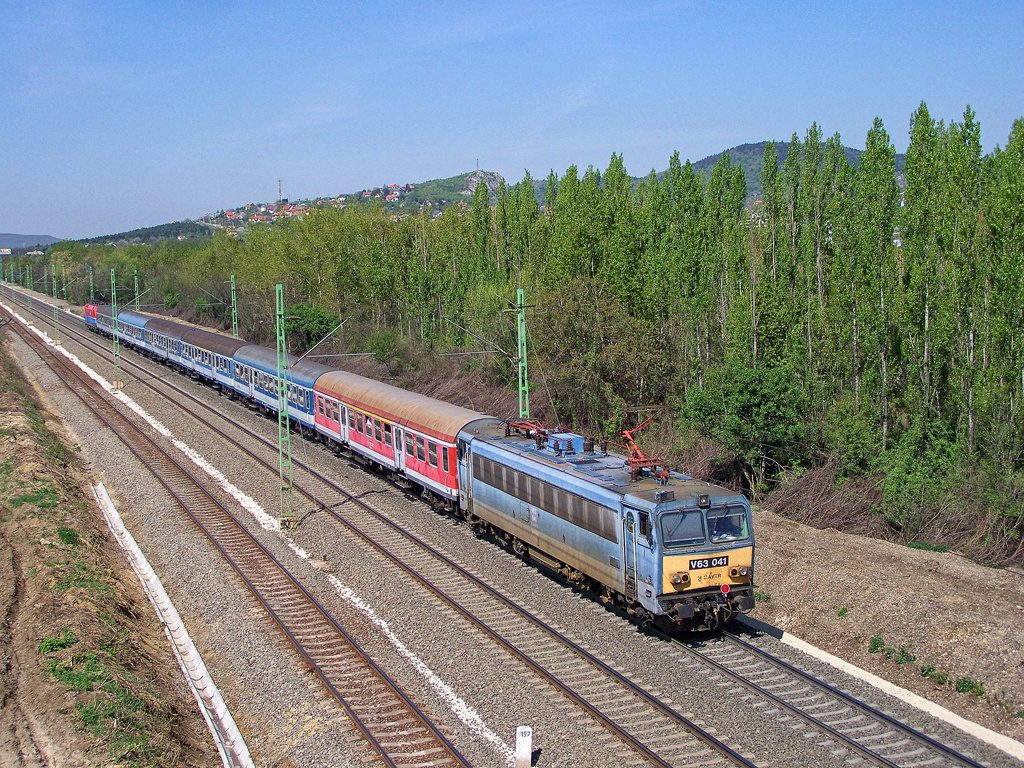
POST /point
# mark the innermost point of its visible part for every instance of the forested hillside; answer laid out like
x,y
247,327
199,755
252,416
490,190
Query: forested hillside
x,y
846,336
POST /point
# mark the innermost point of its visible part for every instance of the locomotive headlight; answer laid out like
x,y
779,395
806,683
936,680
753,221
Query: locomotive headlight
x,y
680,579
745,570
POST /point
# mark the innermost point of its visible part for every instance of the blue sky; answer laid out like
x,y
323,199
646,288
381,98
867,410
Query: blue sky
x,y
115,115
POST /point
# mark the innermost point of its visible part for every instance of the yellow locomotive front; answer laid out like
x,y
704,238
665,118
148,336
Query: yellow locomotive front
x,y
707,562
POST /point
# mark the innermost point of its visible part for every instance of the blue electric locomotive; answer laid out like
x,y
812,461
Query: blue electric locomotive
x,y
660,544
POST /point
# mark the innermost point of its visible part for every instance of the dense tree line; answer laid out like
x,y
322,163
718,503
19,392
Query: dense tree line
x,y
850,315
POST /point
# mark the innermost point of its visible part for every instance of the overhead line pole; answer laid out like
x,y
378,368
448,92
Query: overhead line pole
x,y
284,440
234,310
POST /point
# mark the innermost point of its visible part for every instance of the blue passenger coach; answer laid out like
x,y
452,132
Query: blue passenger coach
x,y
261,365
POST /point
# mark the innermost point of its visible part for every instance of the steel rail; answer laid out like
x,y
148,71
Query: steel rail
x,y
850,700
475,621
847,741
86,392
600,666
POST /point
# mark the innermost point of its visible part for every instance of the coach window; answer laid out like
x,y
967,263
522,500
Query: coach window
x,y
351,419
376,430
409,448
320,405
420,450
432,453
359,423
387,434
444,458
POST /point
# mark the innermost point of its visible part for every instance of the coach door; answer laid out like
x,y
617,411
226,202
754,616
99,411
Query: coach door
x,y
399,448
465,465
629,523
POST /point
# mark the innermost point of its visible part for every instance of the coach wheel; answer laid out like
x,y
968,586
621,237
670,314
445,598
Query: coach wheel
x,y
466,515
519,547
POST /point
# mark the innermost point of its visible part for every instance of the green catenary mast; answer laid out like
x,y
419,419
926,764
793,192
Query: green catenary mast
x,y
113,324
524,380
92,290
284,442
234,310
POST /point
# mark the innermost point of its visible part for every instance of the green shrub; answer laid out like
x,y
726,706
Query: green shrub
x,y
967,685
68,536
59,643
875,644
80,673
761,597
904,656
843,612
927,547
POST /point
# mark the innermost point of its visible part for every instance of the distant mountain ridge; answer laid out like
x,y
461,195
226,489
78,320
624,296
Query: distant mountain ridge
x,y
751,158
18,242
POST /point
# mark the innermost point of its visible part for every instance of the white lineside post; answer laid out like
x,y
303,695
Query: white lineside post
x,y
524,746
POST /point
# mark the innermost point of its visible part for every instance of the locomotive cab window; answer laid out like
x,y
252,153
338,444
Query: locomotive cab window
x,y
682,528
645,525
727,523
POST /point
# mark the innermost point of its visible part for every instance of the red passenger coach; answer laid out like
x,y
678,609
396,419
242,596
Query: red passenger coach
x,y
410,434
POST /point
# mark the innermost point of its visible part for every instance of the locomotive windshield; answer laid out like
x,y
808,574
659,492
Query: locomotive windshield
x,y
686,527
682,528
727,523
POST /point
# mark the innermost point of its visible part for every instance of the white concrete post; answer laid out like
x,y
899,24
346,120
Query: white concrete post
x,y
524,746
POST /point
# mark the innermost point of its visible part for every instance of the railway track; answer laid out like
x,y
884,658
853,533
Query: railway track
x,y
853,725
389,721
645,724
648,727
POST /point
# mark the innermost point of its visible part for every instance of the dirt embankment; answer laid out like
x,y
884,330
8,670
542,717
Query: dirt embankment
x,y
87,674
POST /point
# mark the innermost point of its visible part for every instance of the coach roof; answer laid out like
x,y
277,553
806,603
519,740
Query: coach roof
x,y
304,373
433,417
218,343
166,327
133,318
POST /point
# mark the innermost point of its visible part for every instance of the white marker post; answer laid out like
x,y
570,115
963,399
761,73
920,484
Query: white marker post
x,y
524,746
